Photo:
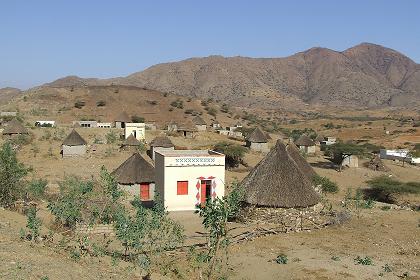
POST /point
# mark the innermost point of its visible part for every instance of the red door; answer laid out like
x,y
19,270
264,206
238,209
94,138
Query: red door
x,y
203,192
144,191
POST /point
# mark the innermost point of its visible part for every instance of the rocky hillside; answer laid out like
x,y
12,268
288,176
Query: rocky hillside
x,y
8,93
366,75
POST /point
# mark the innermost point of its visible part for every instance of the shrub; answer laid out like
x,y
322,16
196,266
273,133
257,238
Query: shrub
x,y
36,188
385,189
101,103
233,153
137,119
363,261
11,175
152,102
111,137
79,104
177,104
212,111
282,259
326,184
33,223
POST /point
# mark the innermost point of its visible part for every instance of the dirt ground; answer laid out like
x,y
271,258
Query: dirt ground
x,y
389,237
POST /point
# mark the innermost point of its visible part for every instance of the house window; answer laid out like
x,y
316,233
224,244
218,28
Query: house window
x,y
182,187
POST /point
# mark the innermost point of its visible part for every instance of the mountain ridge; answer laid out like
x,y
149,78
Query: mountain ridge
x,y
366,75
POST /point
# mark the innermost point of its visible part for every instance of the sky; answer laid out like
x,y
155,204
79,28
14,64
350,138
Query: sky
x,y
43,40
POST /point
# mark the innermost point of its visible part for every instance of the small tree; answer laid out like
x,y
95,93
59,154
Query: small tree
x,y
326,184
11,174
234,153
36,188
33,223
216,213
111,137
137,119
147,234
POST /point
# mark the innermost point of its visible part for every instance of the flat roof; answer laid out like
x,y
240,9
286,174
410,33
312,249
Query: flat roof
x,y
189,153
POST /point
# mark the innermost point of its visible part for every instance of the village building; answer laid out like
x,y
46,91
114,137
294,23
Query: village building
x,y
187,130
86,124
136,129
278,180
73,145
151,126
319,139
199,123
137,177
400,154
122,119
329,141
186,178
216,125
45,123
257,141
161,143
172,127
8,114
305,144
350,161
104,124
14,128
130,144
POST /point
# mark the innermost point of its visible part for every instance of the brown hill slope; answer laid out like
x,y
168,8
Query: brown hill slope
x,y
8,93
365,75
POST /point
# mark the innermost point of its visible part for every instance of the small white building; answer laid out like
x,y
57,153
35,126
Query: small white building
x,y
199,123
393,154
45,123
8,114
329,141
86,124
350,161
104,125
186,178
137,129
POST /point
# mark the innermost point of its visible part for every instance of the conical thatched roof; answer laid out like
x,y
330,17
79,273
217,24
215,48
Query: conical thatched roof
x,y
377,164
74,139
304,140
134,170
304,166
277,181
267,135
257,136
161,141
15,127
131,141
123,117
197,120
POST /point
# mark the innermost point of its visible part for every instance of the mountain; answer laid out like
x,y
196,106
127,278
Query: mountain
x,y
366,75
8,93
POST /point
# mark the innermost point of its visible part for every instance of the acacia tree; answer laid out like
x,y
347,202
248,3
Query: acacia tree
x,y
11,175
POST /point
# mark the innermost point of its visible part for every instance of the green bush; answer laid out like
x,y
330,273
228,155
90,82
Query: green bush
x,y
233,153
363,261
326,184
11,175
137,119
111,137
36,188
385,189
282,259
79,104
33,223
101,103
178,104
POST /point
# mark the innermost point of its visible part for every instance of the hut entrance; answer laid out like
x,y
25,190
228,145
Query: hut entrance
x,y
144,191
205,190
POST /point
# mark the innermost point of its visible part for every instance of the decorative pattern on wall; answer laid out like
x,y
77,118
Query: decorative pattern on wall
x,y
198,187
195,160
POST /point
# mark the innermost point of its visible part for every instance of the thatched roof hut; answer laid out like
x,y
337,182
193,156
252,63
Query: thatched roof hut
x,y
134,170
278,181
197,120
319,138
304,140
14,127
377,164
304,166
131,141
74,139
162,141
257,136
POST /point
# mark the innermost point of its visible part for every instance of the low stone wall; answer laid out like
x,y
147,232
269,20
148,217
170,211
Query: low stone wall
x,y
97,229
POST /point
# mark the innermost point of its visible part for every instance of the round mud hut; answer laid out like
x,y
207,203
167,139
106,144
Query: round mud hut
x,y
73,145
257,141
15,128
137,177
160,143
305,144
130,144
279,180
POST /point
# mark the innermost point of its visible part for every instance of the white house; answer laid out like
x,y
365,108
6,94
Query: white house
x,y
104,124
186,178
88,124
45,123
393,154
137,129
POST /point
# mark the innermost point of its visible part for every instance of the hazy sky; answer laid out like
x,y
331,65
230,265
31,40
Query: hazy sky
x,y
41,40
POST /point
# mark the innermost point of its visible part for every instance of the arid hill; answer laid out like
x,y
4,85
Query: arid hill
x,y
8,93
366,75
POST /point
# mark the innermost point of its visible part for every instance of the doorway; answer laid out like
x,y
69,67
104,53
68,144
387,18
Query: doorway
x,y
205,191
